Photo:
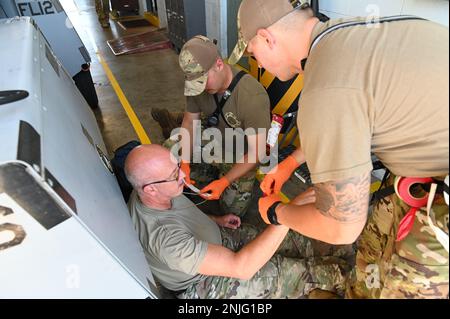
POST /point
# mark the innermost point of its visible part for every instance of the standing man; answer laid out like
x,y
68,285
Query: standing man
x,y
380,88
102,8
207,78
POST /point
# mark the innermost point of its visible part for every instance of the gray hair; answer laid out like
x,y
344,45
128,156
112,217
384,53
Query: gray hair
x,y
133,179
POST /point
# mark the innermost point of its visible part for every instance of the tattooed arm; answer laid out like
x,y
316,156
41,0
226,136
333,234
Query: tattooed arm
x,y
344,201
337,217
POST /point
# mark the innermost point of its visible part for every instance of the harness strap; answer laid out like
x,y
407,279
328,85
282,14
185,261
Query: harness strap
x,y
220,104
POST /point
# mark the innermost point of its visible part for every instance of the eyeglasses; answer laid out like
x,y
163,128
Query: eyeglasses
x,y
175,178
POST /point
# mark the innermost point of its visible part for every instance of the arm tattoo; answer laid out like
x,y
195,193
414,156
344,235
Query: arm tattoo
x,y
346,201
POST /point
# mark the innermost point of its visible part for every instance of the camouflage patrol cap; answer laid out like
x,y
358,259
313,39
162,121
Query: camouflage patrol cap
x,y
197,57
259,14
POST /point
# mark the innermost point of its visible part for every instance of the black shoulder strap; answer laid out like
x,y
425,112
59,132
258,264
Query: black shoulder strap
x,y
230,89
389,190
227,94
236,80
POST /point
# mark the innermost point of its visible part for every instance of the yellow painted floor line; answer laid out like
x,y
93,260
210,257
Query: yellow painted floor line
x,y
139,129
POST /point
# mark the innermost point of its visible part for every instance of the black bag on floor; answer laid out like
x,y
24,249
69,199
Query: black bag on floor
x,y
118,164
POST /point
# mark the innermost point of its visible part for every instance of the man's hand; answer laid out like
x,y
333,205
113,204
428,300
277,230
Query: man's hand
x,y
264,205
275,179
228,221
186,168
215,189
305,198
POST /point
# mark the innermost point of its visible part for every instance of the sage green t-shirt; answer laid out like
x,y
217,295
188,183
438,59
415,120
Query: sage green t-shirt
x,y
174,241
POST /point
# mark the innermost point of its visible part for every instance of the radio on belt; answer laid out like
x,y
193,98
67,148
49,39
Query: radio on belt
x,y
275,129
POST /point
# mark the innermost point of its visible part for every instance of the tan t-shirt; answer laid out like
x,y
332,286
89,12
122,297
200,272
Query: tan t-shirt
x,y
247,107
175,241
382,90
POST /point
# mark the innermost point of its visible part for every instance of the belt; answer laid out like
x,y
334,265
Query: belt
x,y
402,187
382,192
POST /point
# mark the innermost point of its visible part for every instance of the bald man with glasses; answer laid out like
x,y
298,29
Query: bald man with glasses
x,y
200,256
175,176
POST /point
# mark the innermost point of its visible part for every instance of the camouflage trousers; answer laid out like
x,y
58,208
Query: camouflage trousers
x,y
416,267
237,197
299,267
102,9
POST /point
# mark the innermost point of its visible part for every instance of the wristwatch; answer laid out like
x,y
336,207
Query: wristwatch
x,y
272,214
